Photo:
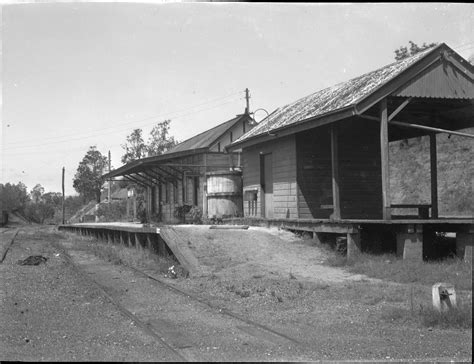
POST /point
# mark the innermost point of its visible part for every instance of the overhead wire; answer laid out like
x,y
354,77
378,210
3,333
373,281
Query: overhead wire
x,y
464,47
115,131
126,124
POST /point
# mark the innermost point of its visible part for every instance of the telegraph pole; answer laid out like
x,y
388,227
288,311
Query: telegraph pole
x,y
110,180
63,198
247,98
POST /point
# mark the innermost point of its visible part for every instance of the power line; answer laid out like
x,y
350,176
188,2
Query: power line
x,y
462,45
114,131
117,126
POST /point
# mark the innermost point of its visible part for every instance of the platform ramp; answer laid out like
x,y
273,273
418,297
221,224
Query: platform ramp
x,y
249,253
179,245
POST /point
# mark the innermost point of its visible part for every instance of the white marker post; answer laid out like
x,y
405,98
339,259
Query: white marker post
x,y
444,296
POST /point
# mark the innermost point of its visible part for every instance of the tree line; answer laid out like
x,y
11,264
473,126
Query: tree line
x,y
36,205
88,180
40,207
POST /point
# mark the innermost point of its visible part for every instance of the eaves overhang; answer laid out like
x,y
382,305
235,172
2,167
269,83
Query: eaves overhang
x,y
361,105
296,127
142,164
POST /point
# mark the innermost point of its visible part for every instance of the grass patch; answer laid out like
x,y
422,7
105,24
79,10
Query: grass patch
x,y
118,254
396,314
456,318
389,267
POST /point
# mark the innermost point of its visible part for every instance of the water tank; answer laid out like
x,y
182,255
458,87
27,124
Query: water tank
x,y
224,194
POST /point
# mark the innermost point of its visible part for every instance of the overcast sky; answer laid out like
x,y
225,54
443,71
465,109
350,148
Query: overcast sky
x,y
78,74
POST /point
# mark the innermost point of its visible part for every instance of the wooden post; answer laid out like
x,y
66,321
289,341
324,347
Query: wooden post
x,y
185,188
63,197
247,98
434,176
204,188
134,204
385,160
335,175
110,181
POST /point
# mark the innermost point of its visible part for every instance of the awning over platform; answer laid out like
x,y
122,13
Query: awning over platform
x,y
160,169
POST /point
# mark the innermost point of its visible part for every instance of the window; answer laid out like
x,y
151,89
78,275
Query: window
x,y
219,147
231,137
243,127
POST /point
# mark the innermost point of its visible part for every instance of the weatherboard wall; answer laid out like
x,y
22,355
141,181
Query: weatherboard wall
x,y
302,173
314,175
284,177
231,135
360,183
360,178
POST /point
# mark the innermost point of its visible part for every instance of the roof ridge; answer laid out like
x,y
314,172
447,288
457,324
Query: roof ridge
x,y
425,51
340,95
214,127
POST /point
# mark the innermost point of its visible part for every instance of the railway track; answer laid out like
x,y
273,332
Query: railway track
x,y
146,328
255,329
220,310
7,246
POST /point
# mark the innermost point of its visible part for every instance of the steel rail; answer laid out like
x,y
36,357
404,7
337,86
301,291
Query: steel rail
x,y
142,325
9,244
221,310
205,302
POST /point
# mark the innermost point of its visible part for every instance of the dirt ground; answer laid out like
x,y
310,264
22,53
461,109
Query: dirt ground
x,y
256,251
275,277
51,312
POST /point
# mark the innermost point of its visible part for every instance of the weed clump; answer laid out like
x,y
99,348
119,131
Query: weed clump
x,y
458,318
389,267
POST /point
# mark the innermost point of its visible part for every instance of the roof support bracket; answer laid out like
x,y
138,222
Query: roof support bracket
x,y
168,172
146,178
399,108
135,180
143,181
422,127
153,176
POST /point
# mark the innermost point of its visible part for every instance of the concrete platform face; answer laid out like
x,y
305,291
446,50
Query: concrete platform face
x,y
353,245
410,246
464,240
468,254
109,224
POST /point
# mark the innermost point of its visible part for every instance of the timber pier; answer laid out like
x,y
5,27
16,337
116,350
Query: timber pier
x,y
410,238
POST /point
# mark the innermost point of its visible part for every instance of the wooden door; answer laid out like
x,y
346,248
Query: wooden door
x,y
266,171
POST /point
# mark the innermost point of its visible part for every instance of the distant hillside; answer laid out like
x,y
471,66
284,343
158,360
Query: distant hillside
x,y
410,172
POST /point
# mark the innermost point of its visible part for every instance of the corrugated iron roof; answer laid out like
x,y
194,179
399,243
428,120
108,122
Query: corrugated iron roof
x,y
333,98
198,143
442,81
206,138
